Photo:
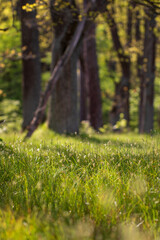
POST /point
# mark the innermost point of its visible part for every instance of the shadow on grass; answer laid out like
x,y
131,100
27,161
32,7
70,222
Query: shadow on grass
x,y
105,140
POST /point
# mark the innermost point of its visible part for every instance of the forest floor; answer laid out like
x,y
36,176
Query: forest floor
x,y
98,186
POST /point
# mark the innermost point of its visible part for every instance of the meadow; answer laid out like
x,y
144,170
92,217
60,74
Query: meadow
x,y
92,186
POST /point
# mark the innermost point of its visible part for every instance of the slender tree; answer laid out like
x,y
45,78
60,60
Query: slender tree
x,y
92,74
121,99
146,109
138,40
90,83
31,62
84,109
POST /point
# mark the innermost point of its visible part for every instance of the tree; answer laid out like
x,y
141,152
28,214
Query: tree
x,y
63,111
90,101
84,108
121,99
146,109
98,6
63,114
30,61
138,39
92,75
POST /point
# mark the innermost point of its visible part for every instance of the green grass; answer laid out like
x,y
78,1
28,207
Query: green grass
x,y
88,187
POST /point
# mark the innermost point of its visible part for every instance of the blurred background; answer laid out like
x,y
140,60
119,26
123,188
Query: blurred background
x,y
111,82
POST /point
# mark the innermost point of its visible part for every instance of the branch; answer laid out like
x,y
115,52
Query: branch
x,y
4,29
154,6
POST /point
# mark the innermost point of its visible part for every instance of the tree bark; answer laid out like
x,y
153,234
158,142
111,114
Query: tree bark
x,y
63,111
146,109
129,22
138,39
84,108
31,63
92,72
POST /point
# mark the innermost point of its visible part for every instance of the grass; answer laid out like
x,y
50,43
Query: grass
x,y
80,187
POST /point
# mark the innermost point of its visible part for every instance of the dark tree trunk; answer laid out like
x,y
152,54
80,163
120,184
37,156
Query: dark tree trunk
x,y
31,63
63,110
84,114
129,22
138,40
121,99
92,74
146,111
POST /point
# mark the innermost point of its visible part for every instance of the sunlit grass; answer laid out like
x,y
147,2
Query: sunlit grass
x,y
79,187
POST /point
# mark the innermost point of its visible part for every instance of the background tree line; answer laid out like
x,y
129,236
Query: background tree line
x,y
103,57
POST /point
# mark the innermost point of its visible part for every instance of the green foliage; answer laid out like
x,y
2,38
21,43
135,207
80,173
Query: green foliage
x,y
107,78
10,59
10,112
134,108
86,129
95,187
11,78
121,124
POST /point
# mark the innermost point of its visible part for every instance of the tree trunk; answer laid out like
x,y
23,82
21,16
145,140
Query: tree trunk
x,y
84,114
92,72
146,110
121,99
131,5
138,39
31,64
63,110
